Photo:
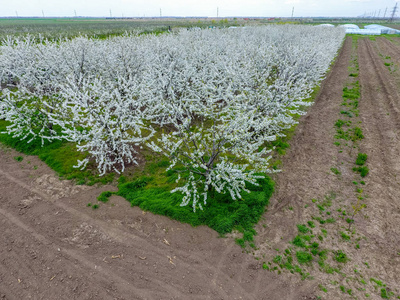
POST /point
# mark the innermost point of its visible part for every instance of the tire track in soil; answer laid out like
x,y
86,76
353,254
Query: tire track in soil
x,y
140,243
305,163
127,239
378,106
390,48
305,175
380,93
377,69
123,285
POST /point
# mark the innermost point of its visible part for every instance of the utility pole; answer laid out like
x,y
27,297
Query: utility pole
x,y
379,13
43,13
217,12
394,10
16,13
75,13
384,15
292,12
160,13
110,14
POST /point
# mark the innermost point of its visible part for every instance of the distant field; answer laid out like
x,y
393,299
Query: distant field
x,y
102,28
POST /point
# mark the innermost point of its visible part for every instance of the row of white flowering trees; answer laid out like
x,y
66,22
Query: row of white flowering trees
x,y
208,100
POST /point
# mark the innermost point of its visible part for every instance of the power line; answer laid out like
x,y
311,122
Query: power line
x,y
394,10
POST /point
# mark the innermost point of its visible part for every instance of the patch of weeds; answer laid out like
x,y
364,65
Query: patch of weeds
x,y
240,242
104,196
324,232
361,159
265,266
280,145
349,291
302,228
340,256
344,236
364,170
331,220
18,158
303,257
300,240
319,219
343,289
353,75
384,294
89,204
339,123
378,282
322,288
362,182
277,259
95,206
335,171
353,93
311,224
347,113
357,134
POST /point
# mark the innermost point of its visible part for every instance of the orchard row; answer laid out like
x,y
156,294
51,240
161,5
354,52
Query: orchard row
x,y
209,100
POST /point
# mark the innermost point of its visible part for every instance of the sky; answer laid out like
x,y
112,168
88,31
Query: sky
x,y
205,8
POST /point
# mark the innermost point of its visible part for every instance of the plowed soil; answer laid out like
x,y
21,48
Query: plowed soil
x,y
52,246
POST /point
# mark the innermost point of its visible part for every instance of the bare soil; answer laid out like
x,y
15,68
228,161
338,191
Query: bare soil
x,y
53,246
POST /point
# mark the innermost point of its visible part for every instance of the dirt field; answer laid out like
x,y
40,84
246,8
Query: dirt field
x,y
53,246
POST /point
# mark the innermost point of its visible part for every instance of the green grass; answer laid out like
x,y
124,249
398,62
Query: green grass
x,y
311,224
152,193
378,282
18,158
335,171
358,134
303,257
384,294
353,93
301,240
302,228
339,123
61,156
340,256
344,236
364,170
361,159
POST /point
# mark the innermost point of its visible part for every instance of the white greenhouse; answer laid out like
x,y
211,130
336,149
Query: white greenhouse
x,y
382,29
